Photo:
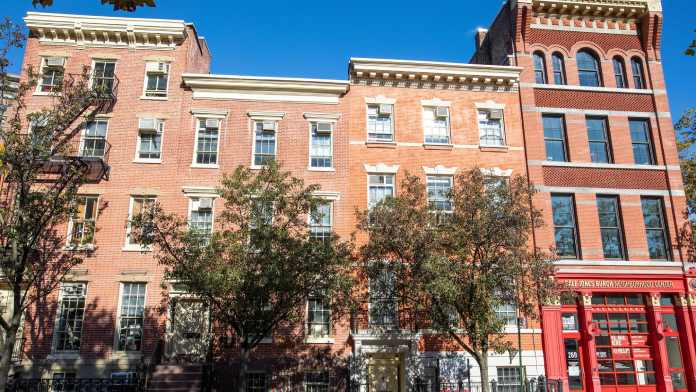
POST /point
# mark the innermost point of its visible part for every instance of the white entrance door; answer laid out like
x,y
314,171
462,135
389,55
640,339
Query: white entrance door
x,y
189,330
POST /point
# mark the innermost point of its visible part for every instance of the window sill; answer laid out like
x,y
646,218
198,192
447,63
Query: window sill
x,y
257,167
378,144
147,161
321,169
266,341
494,148
200,166
144,97
136,248
313,340
126,355
44,93
79,248
438,146
63,355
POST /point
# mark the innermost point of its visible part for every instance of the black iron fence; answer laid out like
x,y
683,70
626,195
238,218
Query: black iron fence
x,y
74,385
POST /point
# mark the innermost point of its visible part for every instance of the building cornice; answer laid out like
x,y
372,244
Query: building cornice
x,y
205,86
602,8
102,31
433,72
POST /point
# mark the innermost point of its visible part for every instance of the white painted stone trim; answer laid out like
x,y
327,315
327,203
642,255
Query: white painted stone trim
x,y
214,113
490,104
380,99
327,195
435,102
199,191
316,116
496,172
592,165
440,170
590,89
588,112
260,115
613,191
381,168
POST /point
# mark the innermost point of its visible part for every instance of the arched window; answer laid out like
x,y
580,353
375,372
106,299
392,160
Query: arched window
x,y
620,72
539,68
558,68
588,69
638,78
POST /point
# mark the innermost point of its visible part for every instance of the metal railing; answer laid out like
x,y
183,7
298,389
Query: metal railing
x,y
73,385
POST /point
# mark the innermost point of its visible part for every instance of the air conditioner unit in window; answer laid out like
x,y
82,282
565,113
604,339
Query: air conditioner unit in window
x,y
385,108
147,124
269,126
157,67
441,112
323,127
495,114
211,123
205,203
55,61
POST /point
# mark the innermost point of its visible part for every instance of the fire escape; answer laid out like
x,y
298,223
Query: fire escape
x,y
87,149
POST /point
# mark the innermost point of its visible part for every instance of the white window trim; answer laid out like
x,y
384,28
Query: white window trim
x,y
381,168
309,151
54,340
496,172
317,340
127,246
377,174
380,99
117,324
192,196
68,238
96,60
255,120
488,107
451,183
436,102
169,80
327,195
391,118
331,213
440,170
433,106
137,158
42,64
196,121
320,116
84,130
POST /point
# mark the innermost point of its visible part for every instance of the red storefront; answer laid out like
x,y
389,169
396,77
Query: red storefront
x,y
624,334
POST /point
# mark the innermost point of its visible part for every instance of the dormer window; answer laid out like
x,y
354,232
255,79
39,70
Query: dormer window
x,y
156,79
52,71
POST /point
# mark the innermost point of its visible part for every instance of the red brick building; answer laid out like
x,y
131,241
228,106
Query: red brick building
x,y
538,99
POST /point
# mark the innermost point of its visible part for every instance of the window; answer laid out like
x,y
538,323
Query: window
x,y
555,138
63,382
316,381
103,76
598,136
655,228
566,234
439,188
558,68
207,136
52,71
150,139
321,148
491,128
383,309
320,222
138,205
539,68
124,378
201,216
156,79
588,69
71,312
256,382
380,186
569,321
572,353
620,72
611,227
509,379
93,143
318,317
638,77
82,223
130,331
380,126
642,142
436,125
264,142
507,313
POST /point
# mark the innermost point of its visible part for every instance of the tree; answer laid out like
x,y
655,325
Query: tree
x,y
257,269
119,5
452,264
35,204
691,50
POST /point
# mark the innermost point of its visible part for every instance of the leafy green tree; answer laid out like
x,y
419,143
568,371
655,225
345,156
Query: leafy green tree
x,y
257,269
449,267
119,5
691,50
35,205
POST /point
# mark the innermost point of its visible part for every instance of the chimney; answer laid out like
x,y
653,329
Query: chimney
x,y
481,34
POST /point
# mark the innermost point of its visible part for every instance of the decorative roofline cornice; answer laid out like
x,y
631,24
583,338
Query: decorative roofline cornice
x,y
85,30
431,71
602,8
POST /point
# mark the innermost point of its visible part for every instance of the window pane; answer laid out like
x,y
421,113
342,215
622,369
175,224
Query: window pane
x,y
439,188
554,138
436,128
638,80
539,68
610,227
132,313
558,69
588,69
599,140
207,143
655,228
642,143
379,123
264,145
380,187
490,130
68,333
320,149
564,222
619,73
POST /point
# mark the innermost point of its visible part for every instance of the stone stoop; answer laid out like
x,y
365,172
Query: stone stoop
x,y
176,378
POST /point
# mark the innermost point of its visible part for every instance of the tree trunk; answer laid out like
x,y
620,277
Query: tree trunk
x,y
483,367
243,367
6,350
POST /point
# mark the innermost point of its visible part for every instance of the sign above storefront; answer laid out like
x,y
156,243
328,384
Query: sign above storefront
x,y
618,284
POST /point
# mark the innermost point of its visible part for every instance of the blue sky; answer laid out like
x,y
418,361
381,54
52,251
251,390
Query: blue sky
x,y
315,38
